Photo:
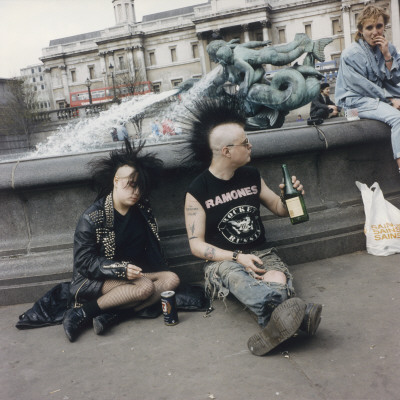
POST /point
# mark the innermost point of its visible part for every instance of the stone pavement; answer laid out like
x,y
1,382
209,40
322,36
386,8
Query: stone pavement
x,y
354,356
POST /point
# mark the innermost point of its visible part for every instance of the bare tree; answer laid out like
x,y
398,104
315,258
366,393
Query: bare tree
x,y
130,81
132,85
21,104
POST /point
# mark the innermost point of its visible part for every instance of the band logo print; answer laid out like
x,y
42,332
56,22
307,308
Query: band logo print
x,y
241,225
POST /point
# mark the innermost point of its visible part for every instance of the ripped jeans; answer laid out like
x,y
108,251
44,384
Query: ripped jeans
x,y
224,277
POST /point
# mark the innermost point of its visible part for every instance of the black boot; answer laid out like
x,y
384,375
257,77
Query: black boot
x,y
284,322
311,319
74,321
104,321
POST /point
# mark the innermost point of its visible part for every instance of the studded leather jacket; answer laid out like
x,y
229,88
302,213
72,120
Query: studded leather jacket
x,y
94,250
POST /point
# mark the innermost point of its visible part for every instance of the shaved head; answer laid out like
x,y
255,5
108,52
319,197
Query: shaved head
x,y
223,135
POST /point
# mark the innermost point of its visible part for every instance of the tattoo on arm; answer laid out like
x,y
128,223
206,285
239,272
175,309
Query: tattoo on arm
x,y
192,210
209,253
192,229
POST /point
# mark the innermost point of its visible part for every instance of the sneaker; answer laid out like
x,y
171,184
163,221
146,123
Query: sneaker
x,y
104,321
74,321
311,319
285,321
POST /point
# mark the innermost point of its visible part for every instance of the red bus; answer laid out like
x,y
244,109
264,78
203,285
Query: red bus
x,y
102,95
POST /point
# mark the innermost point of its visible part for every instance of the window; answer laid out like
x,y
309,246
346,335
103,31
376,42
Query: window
x,y
336,28
282,35
259,36
355,19
176,82
195,51
121,62
173,54
152,58
40,69
41,77
73,76
307,30
32,70
91,73
35,88
156,87
42,86
33,79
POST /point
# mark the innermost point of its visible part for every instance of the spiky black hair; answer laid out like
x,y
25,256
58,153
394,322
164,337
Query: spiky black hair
x,y
147,166
203,116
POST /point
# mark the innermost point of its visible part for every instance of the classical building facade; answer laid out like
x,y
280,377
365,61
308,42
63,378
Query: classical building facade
x,y
169,47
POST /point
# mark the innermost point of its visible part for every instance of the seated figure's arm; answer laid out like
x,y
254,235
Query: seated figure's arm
x,y
195,219
247,69
255,43
87,258
319,104
272,201
355,78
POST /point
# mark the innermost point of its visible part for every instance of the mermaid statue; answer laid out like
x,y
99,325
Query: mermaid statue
x,y
267,102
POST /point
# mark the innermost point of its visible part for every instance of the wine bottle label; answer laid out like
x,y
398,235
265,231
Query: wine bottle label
x,y
294,207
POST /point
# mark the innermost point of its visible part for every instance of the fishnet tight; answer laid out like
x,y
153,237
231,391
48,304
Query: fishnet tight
x,y
136,294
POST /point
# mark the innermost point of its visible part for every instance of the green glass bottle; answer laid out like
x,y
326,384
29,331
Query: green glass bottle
x,y
294,199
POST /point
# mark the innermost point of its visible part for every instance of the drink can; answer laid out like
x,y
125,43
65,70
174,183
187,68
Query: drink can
x,y
168,303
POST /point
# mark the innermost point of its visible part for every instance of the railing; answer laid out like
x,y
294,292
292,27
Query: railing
x,y
71,113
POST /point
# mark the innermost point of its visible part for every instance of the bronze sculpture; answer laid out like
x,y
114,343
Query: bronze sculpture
x,y
268,102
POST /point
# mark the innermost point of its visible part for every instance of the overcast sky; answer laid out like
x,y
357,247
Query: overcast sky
x,y
27,26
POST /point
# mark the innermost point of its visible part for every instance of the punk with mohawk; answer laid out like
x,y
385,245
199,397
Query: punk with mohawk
x,y
118,260
224,226
203,116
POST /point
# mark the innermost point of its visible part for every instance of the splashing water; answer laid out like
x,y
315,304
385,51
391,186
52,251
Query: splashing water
x,y
94,133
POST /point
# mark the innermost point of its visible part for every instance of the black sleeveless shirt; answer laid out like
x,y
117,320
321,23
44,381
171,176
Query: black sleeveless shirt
x,y
232,209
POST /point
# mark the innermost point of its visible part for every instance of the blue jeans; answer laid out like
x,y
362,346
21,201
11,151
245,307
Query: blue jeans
x,y
224,277
390,116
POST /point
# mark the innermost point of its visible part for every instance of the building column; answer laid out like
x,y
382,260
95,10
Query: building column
x,y
131,63
141,62
245,28
103,66
395,21
49,87
202,54
346,24
64,79
266,25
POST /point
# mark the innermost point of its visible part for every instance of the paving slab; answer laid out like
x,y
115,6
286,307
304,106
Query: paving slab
x,y
354,356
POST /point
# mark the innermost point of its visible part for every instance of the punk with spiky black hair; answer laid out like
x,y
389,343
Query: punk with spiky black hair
x,y
224,226
119,266
202,117
147,168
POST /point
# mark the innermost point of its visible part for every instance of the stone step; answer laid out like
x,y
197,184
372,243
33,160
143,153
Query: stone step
x,y
330,232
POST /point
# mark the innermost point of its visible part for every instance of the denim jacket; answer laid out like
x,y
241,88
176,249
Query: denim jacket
x,y
363,79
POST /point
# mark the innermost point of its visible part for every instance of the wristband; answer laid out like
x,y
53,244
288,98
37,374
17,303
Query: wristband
x,y
390,60
235,255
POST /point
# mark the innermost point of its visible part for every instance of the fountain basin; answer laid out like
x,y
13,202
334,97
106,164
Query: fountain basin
x,y
42,200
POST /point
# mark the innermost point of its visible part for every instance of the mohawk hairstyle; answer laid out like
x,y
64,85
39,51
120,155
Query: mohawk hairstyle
x,y
147,167
204,115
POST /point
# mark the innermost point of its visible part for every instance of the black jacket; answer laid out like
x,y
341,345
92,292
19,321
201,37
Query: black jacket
x,y
94,250
319,108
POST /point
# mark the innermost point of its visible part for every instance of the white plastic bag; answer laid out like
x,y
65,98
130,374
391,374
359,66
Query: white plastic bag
x,y
382,221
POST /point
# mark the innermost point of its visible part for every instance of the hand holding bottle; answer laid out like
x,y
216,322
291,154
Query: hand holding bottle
x,y
296,184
